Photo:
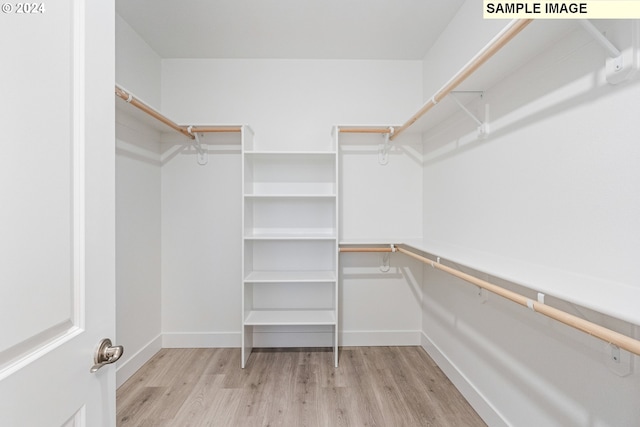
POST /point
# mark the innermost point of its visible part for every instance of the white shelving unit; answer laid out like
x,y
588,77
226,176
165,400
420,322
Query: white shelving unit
x,y
290,241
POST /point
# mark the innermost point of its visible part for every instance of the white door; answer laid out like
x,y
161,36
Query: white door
x,y
57,231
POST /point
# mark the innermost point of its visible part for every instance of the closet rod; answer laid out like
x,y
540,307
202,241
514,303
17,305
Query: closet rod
x,y
185,130
612,337
366,250
216,129
364,130
497,43
150,111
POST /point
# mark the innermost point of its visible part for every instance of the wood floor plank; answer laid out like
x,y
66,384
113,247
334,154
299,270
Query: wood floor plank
x,y
373,386
280,388
140,407
361,390
222,410
199,400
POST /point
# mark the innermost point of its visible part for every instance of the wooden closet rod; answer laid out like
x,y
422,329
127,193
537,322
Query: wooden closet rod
x,y
185,130
364,130
215,129
509,32
612,337
153,113
366,250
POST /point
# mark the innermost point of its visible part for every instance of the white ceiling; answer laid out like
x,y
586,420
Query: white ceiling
x,y
296,29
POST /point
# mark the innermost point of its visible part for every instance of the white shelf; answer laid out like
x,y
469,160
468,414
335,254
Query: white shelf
x,y
286,153
289,196
294,175
308,276
292,235
541,34
290,240
289,254
377,241
288,218
620,302
290,317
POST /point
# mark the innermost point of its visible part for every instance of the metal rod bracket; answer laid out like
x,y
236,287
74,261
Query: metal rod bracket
x,y
203,156
619,66
385,264
383,150
483,125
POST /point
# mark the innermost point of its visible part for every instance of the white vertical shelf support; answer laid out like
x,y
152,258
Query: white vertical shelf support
x,y
247,331
336,287
289,246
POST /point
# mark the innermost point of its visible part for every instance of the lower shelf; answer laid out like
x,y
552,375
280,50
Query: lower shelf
x,y
290,317
290,276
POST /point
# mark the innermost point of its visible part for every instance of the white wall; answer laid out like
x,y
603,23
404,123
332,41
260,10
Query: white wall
x,y
290,104
137,65
551,199
380,203
138,242
201,232
459,42
138,211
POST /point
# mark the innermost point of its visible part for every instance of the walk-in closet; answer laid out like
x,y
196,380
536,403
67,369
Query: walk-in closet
x,y
341,213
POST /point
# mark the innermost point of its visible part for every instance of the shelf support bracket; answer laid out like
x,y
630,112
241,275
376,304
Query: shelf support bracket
x,y
483,126
385,264
203,156
383,151
616,68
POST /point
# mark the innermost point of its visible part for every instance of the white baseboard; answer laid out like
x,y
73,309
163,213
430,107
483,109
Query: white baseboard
x,y
486,411
280,337
379,338
134,362
201,339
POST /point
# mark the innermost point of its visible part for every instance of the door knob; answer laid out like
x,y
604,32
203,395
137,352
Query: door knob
x,y
106,354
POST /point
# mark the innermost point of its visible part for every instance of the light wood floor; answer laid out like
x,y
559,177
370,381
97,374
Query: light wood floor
x,y
373,386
